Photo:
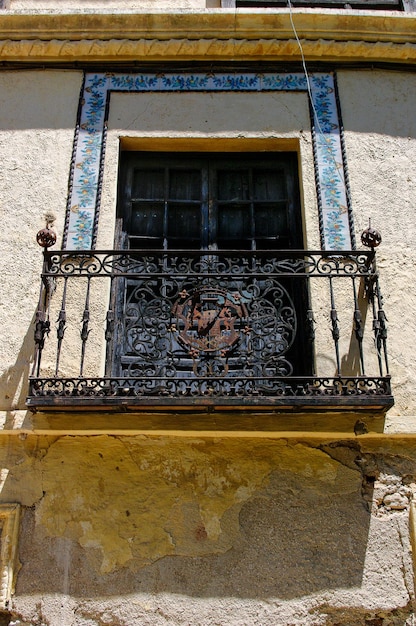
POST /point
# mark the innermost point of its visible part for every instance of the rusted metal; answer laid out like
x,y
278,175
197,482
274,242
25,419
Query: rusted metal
x,y
370,237
46,237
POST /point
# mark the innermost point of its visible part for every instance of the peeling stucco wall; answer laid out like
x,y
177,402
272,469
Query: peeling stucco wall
x,y
37,118
38,113
129,530
380,143
126,529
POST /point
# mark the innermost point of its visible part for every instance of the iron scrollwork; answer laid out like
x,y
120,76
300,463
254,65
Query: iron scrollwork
x,y
222,326
202,335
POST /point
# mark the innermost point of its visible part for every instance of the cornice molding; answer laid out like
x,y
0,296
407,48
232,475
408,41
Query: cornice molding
x,y
203,50
310,23
340,36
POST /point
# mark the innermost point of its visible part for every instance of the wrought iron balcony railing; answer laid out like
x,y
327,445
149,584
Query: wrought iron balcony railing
x,y
145,328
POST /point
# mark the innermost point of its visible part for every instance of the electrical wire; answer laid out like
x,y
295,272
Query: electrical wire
x,y
338,166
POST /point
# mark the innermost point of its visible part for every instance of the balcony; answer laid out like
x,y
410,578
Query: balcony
x,y
205,330
381,5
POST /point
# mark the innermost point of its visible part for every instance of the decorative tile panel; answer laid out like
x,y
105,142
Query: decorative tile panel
x,y
88,164
332,190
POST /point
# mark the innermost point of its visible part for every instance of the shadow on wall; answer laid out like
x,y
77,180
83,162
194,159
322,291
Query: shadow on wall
x,y
378,101
14,380
351,361
290,545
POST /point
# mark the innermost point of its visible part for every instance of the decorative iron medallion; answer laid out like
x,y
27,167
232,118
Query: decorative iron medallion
x,y
209,320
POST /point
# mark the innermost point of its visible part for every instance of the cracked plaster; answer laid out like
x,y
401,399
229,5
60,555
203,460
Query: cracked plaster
x,y
191,486
131,530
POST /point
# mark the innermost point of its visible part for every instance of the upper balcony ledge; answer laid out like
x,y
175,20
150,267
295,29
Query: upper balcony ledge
x,y
338,25
203,331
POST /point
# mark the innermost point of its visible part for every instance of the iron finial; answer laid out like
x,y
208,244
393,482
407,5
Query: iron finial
x,y
370,236
46,237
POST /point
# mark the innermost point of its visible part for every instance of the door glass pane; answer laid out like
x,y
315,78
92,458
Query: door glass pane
x,y
233,185
148,184
147,219
185,184
234,226
270,220
269,185
184,224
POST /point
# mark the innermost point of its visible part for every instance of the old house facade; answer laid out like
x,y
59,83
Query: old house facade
x,y
208,413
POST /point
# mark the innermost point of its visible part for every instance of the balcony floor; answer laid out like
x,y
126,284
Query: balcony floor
x,y
294,395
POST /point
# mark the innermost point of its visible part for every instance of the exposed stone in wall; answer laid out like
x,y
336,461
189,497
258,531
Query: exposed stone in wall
x,y
391,494
389,482
356,617
97,616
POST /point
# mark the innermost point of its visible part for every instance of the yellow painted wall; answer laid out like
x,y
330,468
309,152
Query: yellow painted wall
x,y
124,528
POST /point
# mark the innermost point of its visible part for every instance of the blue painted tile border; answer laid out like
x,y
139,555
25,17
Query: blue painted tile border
x,y
88,162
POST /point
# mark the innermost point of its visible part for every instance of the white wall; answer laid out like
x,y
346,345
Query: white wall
x,y
37,119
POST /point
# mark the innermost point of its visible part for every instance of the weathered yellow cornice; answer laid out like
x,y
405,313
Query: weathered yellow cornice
x,y
341,36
